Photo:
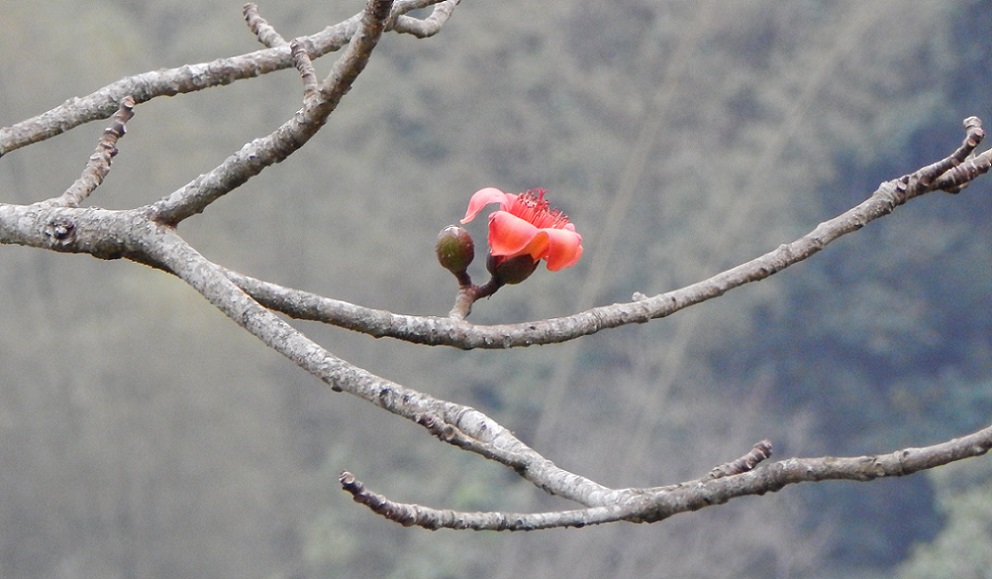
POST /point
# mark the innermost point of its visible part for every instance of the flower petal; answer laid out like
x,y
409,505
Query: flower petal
x,y
484,197
510,235
564,248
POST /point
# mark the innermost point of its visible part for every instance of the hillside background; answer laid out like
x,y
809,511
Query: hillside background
x,y
144,434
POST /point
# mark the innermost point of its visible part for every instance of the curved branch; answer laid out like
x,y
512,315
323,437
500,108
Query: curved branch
x,y
955,171
657,504
456,424
115,234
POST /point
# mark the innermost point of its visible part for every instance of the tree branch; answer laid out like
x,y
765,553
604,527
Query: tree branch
x,y
955,171
657,504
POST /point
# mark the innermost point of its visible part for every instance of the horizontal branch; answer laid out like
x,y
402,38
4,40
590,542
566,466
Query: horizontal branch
x,y
951,173
657,504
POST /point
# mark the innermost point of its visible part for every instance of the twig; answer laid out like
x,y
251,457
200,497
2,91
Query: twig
x,y
959,177
261,28
301,58
98,166
410,515
973,137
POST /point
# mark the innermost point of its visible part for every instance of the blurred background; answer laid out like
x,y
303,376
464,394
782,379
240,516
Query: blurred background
x,y
144,434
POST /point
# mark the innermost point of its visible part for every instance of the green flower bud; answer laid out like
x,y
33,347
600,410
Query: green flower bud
x,y
511,270
455,249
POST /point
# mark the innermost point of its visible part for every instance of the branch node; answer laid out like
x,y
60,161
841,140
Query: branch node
x,y
60,231
760,452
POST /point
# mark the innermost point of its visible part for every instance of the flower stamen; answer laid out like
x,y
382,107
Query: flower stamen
x,y
531,206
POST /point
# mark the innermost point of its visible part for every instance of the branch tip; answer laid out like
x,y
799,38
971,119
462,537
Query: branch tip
x,y
761,451
429,26
260,27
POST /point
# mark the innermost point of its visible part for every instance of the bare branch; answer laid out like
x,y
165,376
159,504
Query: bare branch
x,y
440,331
658,504
98,165
97,232
410,515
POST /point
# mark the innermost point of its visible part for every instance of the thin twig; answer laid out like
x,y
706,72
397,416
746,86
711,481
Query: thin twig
x,y
301,58
974,134
261,28
98,166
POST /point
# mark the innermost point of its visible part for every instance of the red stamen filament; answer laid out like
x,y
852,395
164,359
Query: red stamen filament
x,y
532,207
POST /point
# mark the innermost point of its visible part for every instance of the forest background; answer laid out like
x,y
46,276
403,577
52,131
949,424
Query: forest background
x,y
144,434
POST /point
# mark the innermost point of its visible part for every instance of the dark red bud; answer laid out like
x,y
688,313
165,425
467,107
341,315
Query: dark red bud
x,y
511,270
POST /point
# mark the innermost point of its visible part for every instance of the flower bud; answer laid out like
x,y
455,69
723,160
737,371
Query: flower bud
x,y
455,249
511,270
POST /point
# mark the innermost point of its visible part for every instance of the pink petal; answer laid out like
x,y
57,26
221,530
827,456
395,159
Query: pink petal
x,y
484,197
564,248
510,235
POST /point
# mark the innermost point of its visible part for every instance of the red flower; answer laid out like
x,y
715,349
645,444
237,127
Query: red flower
x,y
525,224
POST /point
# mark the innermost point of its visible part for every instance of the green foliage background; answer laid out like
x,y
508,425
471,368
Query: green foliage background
x,y
146,435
